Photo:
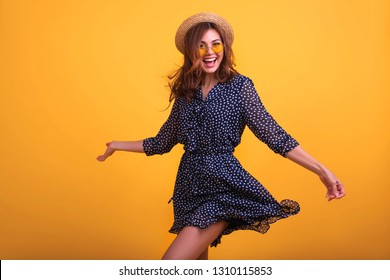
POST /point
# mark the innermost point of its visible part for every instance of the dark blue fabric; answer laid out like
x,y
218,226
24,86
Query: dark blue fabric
x,y
211,184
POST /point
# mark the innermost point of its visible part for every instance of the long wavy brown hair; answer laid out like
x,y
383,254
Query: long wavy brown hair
x,y
186,81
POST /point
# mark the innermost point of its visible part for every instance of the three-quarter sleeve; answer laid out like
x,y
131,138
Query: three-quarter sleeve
x,y
166,138
262,124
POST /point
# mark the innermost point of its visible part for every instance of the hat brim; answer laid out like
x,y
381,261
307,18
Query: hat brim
x,y
198,18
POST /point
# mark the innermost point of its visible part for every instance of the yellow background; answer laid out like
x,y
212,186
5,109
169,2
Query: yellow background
x,y
77,74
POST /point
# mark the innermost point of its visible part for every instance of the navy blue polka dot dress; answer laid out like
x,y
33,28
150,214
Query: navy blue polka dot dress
x,y
211,185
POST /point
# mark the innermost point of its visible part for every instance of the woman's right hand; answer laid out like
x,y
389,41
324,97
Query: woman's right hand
x,y
109,151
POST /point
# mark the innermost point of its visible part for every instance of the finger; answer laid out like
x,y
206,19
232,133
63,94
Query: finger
x,y
340,189
101,158
341,195
335,190
331,197
332,192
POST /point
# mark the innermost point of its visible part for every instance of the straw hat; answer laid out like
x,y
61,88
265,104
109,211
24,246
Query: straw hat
x,y
198,18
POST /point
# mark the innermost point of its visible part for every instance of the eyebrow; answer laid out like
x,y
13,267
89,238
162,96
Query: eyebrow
x,y
215,40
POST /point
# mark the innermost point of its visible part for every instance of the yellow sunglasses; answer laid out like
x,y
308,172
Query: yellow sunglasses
x,y
217,47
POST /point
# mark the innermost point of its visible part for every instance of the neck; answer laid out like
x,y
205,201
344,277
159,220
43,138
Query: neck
x,y
209,81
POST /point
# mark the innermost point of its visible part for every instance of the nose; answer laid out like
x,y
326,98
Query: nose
x,y
210,50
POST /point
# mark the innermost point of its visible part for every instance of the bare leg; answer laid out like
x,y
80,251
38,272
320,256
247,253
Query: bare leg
x,y
204,255
192,242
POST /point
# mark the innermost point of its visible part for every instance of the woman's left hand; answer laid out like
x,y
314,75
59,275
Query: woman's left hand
x,y
335,189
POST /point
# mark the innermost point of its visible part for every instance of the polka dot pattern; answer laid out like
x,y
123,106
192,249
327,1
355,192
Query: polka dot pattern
x,y
211,185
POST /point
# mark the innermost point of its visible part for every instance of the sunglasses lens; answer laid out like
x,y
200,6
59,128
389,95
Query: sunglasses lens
x,y
217,47
202,49
202,52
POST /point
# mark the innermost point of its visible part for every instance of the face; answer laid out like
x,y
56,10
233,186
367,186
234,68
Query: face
x,y
211,51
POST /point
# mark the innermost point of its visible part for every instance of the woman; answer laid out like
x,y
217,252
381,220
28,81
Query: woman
x,y
213,103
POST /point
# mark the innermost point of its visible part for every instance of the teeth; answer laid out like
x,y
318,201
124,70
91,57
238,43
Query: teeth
x,y
210,59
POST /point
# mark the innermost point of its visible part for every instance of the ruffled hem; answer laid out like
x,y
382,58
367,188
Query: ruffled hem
x,y
259,224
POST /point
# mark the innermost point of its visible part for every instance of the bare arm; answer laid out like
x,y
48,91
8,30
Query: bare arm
x,y
128,146
332,183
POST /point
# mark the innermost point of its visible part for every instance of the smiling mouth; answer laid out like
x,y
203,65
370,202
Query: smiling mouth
x,y
209,61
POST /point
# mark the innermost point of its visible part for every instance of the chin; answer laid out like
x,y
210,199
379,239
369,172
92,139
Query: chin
x,y
209,70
